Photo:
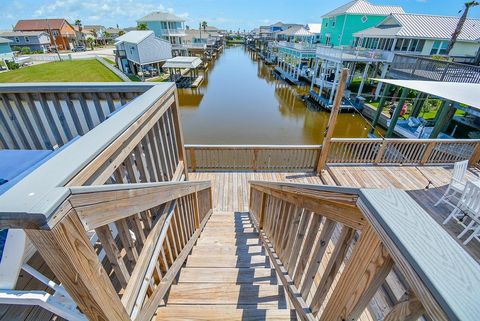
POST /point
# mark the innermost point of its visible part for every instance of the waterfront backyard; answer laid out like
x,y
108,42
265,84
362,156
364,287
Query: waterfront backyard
x,y
64,71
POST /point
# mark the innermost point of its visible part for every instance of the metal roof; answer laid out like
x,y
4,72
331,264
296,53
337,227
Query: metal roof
x,y
296,31
136,36
464,93
364,7
423,26
5,40
183,62
160,16
22,33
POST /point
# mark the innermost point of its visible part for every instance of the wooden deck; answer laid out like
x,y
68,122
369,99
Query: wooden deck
x,y
230,190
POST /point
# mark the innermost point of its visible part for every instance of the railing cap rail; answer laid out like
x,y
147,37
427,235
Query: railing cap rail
x,y
406,140
84,87
313,187
451,275
41,192
200,146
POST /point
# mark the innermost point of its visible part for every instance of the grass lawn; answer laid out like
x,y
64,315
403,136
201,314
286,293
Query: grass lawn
x,y
65,71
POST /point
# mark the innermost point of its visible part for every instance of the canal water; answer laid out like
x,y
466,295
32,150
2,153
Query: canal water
x,y
241,102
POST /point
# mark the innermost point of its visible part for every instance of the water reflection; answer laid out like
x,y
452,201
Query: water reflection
x,y
241,102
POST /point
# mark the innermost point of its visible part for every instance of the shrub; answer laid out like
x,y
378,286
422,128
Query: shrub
x,y
12,65
25,51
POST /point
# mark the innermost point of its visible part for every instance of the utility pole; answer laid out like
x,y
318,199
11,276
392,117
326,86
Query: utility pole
x,y
54,39
322,161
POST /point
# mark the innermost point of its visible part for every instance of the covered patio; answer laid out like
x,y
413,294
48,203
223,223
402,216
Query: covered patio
x,y
454,97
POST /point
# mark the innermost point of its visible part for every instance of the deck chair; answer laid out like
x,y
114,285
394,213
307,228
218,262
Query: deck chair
x,y
457,184
468,208
16,253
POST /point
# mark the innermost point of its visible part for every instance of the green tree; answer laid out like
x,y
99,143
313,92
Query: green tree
x,y
204,25
78,23
142,26
90,42
460,24
121,33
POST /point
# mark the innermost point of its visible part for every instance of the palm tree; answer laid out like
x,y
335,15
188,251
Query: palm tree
x,y
142,26
460,24
78,23
204,25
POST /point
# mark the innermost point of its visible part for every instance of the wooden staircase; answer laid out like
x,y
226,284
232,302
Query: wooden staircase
x,y
227,276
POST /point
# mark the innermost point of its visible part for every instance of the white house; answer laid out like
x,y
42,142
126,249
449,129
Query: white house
x,y
420,34
141,52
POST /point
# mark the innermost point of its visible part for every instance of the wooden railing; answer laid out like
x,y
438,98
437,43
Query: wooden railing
x,y
402,151
334,247
422,68
252,157
98,213
47,116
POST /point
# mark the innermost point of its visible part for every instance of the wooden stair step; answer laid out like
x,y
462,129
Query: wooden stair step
x,y
221,313
228,275
234,294
228,234
223,261
210,249
227,230
228,241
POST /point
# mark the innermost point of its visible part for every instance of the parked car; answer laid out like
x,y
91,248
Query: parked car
x,y
79,48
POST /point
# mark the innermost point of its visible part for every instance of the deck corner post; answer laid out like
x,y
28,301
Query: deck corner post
x,y
68,252
475,159
179,134
381,152
428,152
332,121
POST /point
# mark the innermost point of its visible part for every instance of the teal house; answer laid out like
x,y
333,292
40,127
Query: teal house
x,y
339,25
166,26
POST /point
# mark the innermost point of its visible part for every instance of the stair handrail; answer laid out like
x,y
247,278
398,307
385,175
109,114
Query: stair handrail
x,y
158,219
395,230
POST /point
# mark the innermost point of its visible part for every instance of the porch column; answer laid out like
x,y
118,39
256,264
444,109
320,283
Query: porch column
x,y
314,75
380,84
441,120
381,105
362,84
418,104
335,81
396,113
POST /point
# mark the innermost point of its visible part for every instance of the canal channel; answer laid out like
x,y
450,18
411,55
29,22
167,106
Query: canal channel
x,y
241,102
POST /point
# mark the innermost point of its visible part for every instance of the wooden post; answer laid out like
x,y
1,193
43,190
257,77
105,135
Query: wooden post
x,y
196,210
381,105
193,160
331,122
67,251
427,153
396,113
440,119
261,215
475,159
179,134
409,310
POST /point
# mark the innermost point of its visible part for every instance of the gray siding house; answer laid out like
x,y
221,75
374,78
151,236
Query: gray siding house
x,y
141,52
35,40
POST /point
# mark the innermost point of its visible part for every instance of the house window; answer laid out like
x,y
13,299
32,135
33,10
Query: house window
x,y
413,45
334,21
327,39
55,33
364,19
398,45
421,44
17,39
435,47
406,42
443,48
326,23
27,39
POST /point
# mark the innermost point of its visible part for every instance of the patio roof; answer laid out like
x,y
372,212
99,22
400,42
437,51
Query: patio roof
x,y
183,62
464,93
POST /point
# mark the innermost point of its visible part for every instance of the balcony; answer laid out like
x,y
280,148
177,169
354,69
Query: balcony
x,y
353,54
130,223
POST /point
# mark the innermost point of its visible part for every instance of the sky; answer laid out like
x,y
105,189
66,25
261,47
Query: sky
x,y
225,14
